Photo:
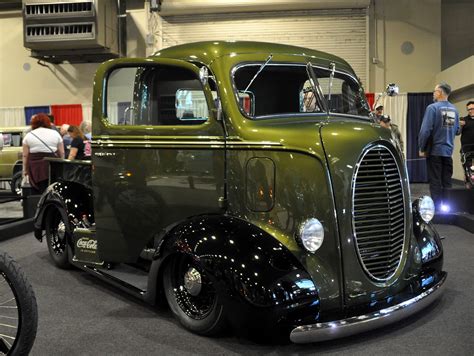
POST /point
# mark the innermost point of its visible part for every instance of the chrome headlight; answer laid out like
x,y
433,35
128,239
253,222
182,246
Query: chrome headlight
x,y
426,208
311,234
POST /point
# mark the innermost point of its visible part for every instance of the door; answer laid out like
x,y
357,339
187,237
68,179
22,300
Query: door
x,y
158,155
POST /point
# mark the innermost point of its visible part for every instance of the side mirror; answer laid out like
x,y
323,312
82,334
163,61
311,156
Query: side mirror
x,y
392,89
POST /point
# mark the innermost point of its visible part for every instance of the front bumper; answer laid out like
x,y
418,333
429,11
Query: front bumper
x,y
358,324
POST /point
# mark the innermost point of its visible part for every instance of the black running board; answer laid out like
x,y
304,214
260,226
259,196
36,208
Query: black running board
x,y
111,277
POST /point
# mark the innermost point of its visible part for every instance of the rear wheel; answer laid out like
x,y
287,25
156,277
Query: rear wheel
x,y
192,297
15,183
57,238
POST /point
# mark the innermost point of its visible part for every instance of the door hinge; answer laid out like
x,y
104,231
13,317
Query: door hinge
x,y
222,203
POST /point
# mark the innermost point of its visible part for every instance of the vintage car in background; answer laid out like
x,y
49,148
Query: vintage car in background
x,y
247,184
11,156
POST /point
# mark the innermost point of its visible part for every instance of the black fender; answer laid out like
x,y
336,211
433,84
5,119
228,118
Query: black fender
x,y
429,243
73,201
255,275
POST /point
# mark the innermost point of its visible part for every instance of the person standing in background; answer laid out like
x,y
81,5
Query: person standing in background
x,y
467,126
86,128
379,113
439,127
39,143
396,134
77,144
66,139
467,139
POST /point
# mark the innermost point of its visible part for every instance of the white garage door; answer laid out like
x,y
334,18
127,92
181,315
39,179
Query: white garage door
x,y
340,32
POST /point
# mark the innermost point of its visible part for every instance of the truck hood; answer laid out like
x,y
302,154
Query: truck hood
x,y
371,197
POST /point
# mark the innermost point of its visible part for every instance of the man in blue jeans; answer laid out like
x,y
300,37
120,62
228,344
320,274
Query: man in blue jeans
x,y
436,141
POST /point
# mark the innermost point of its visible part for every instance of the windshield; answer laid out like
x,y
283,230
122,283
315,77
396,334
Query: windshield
x,y
288,89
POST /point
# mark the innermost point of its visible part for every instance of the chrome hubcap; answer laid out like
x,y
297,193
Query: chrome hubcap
x,y
192,282
61,230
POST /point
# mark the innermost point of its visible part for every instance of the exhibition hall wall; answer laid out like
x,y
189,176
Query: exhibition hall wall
x,y
396,22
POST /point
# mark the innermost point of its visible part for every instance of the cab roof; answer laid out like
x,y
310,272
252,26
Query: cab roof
x,y
208,51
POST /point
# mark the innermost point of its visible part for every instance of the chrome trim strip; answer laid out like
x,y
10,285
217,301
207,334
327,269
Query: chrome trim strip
x,y
213,144
358,324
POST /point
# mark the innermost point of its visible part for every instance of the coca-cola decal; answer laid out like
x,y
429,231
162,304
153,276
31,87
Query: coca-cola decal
x,y
85,242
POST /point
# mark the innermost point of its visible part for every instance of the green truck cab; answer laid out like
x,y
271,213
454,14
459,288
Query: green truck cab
x,y
11,152
247,184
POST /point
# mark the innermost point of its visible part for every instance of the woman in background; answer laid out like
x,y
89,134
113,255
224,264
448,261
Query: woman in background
x,y
77,143
39,143
86,128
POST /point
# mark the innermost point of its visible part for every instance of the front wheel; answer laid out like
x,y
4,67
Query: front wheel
x,y
18,311
192,297
57,238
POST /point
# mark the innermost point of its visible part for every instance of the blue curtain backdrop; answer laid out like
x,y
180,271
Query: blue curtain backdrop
x,y
417,103
31,110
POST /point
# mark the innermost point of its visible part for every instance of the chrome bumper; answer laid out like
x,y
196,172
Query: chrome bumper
x,y
358,324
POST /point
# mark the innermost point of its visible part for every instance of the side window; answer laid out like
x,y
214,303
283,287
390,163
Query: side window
x,y
16,140
7,139
155,95
11,139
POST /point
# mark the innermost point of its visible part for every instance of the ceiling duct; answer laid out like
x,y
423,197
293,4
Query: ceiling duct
x,y
188,7
75,31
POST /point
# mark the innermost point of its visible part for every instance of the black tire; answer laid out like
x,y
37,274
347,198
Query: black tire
x,y
202,313
15,183
57,238
16,291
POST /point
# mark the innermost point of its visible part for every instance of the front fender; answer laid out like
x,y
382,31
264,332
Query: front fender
x,y
254,274
429,242
72,200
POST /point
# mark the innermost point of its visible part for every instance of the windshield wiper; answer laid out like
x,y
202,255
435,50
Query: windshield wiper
x,y
318,93
260,69
332,66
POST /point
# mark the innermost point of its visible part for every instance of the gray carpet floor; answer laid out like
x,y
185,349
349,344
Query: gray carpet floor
x,y
80,315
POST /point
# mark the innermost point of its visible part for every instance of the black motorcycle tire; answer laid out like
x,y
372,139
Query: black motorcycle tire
x,y
26,304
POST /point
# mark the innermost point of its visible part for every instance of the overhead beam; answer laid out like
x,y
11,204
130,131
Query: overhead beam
x,y
187,7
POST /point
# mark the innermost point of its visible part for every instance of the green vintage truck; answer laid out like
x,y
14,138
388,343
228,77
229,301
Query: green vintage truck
x,y
248,186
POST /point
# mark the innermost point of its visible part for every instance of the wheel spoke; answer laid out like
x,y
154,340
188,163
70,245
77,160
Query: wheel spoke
x,y
8,314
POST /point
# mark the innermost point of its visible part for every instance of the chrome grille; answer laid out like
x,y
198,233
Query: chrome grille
x,y
378,213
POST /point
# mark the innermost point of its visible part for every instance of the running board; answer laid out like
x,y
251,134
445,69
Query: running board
x,y
127,278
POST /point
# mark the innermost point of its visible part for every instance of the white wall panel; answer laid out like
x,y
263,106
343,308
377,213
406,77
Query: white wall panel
x,y
340,32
